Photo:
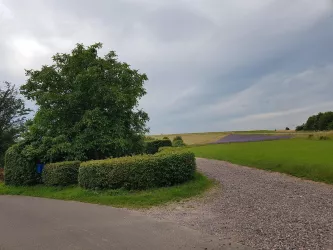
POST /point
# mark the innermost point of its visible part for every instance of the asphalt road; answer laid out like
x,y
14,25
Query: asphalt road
x,y
35,223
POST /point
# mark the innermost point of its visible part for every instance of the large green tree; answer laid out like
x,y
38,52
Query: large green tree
x,y
88,107
12,117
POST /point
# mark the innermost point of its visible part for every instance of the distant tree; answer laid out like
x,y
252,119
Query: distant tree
x,y
300,127
311,123
319,122
324,121
12,117
330,126
88,107
287,128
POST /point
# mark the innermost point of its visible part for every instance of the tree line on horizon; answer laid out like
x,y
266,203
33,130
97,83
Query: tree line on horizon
x,y
319,122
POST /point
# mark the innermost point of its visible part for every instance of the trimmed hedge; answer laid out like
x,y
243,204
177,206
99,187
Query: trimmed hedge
x,y
19,169
61,173
153,146
138,172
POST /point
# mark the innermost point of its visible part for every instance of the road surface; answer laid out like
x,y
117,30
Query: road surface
x,y
34,223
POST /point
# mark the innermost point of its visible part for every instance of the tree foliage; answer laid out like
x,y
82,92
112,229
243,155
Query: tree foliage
x,y
12,117
87,107
319,122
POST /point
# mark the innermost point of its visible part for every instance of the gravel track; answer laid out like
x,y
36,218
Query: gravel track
x,y
260,209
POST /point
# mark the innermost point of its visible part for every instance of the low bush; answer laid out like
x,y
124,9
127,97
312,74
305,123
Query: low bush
x,y
310,136
323,138
177,138
20,170
153,146
2,174
138,172
166,138
61,173
178,143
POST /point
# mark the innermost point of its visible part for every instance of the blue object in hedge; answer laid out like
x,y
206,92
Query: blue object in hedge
x,y
40,168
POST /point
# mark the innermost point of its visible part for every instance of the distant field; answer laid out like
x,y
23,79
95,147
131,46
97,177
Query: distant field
x,y
196,138
209,137
310,159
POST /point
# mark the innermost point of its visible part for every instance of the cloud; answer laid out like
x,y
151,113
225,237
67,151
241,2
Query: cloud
x,y
210,63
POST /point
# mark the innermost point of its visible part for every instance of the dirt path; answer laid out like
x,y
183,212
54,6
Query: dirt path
x,y
260,209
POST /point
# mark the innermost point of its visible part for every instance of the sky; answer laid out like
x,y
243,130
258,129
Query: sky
x,y
213,65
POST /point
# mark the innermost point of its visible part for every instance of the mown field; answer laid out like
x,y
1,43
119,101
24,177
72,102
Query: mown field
x,y
306,158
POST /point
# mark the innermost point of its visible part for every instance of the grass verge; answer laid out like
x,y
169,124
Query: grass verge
x,y
116,198
309,159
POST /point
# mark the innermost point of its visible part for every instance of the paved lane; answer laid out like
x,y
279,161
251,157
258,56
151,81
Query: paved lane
x,y
35,223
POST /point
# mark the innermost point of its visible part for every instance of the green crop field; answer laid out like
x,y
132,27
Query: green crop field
x,y
310,159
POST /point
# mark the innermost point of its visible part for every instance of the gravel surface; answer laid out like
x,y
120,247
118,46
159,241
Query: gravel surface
x,y
260,209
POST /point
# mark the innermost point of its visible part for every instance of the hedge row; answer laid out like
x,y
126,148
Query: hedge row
x,y
138,172
19,169
166,168
61,173
153,146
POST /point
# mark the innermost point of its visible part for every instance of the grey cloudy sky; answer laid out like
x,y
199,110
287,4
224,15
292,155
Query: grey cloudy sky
x,y
213,65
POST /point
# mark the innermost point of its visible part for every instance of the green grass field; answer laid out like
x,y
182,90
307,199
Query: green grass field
x,y
116,198
310,159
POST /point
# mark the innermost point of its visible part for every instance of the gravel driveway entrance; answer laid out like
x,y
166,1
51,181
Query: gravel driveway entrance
x,y
260,209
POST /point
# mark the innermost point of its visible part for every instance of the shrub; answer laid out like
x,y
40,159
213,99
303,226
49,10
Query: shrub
x,y
153,146
310,136
177,138
178,143
138,172
61,173
323,138
19,169
166,138
287,128
1,174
